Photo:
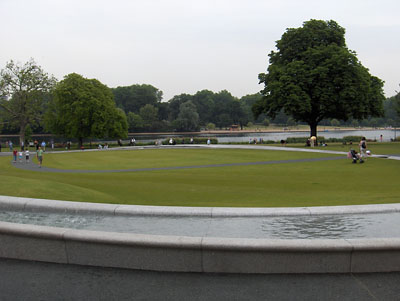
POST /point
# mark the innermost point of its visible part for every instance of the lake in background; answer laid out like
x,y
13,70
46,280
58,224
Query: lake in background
x,y
277,136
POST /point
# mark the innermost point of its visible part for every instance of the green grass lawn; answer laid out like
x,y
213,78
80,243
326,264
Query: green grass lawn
x,y
150,158
377,148
319,183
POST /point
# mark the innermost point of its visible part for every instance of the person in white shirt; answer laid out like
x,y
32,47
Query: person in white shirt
x,y
27,155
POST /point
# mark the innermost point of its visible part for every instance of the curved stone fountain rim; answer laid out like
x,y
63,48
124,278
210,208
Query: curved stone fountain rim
x,y
193,254
55,206
197,254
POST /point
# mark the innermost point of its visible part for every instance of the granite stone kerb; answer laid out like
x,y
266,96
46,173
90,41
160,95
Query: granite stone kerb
x,y
34,243
127,239
25,230
133,210
54,206
197,254
12,203
43,205
276,245
376,244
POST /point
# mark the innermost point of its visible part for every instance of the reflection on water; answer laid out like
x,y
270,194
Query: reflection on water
x,y
373,225
53,220
324,226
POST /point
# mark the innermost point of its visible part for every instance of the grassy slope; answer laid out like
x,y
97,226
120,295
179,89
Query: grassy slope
x,y
294,184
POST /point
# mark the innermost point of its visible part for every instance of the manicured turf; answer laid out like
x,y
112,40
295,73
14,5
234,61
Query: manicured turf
x,y
290,184
149,158
385,148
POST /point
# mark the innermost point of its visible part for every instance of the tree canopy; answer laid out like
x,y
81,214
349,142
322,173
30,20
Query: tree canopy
x,y
188,118
85,108
397,103
313,76
132,98
24,90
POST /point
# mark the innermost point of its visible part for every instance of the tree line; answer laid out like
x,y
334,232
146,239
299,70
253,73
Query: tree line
x,y
312,78
146,111
33,101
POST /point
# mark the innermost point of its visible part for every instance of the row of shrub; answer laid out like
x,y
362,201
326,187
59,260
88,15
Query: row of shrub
x,y
303,140
346,139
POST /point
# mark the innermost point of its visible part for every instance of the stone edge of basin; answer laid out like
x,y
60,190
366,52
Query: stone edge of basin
x,y
54,206
197,254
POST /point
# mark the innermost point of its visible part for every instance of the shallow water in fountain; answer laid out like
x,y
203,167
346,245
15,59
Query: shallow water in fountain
x,y
373,225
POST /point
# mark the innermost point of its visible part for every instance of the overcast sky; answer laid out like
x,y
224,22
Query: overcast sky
x,y
183,46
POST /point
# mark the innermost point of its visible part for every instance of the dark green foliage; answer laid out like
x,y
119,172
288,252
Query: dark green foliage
x,y
221,109
354,139
313,76
149,115
85,108
346,139
396,102
188,118
133,98
291,140
135,122
25,91
175,103
204,102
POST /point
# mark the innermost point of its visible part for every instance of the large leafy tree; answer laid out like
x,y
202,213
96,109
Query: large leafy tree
x,y
133,98
135,122
226,110
85,108
313,76
204,102
175,103
238,113
397,103
149,115
188,118
24,90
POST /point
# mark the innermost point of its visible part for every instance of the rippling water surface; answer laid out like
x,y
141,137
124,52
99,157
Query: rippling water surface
x,y
377,225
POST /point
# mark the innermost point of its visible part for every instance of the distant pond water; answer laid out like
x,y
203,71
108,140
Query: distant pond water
x,y
387,135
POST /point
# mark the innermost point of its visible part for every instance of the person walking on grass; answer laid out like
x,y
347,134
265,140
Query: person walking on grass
x,y
27,155
363,149
39,156
15,153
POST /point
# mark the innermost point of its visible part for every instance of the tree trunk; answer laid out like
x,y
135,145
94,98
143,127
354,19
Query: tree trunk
x,y
22,134
313,129
80,142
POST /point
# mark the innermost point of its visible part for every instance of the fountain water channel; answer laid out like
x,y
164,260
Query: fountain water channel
x,y
326,226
